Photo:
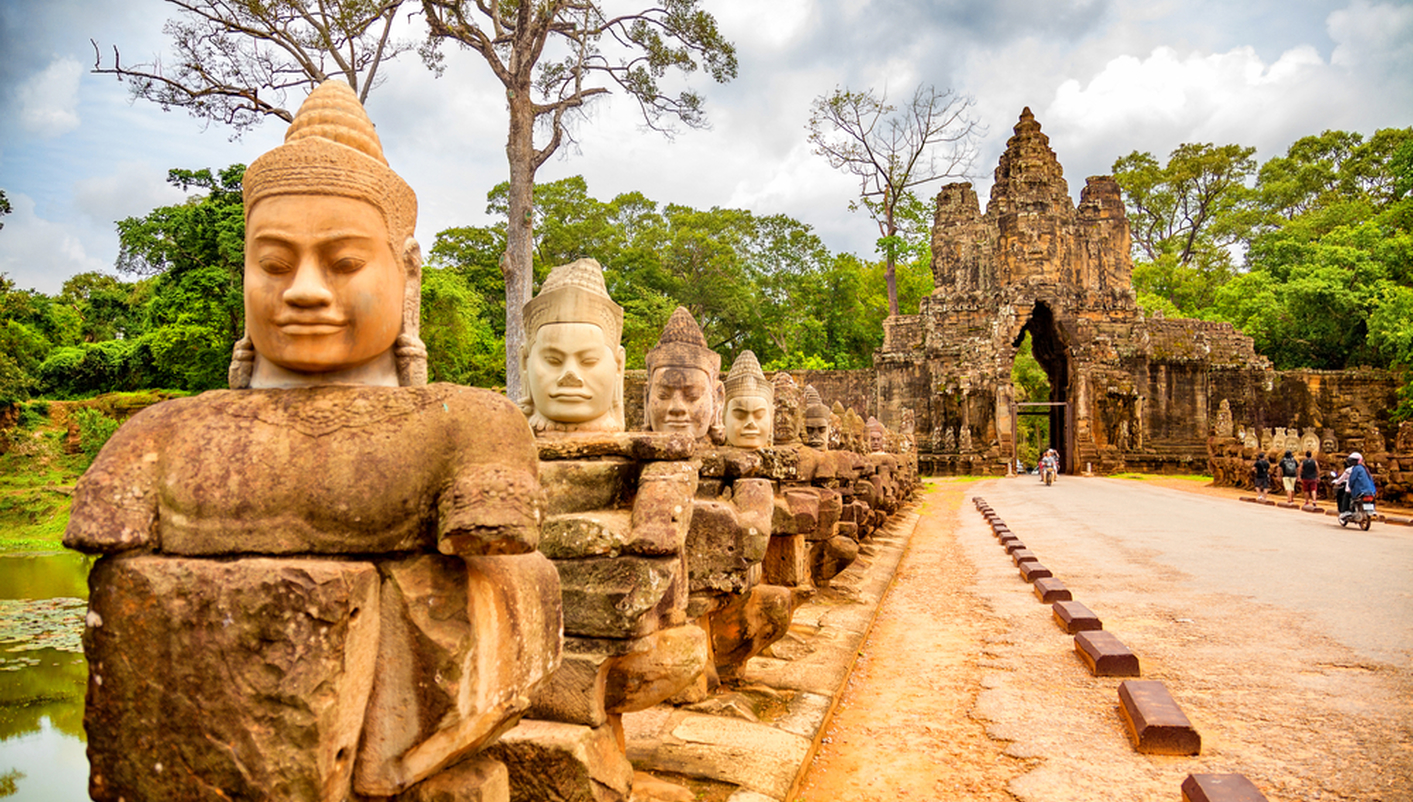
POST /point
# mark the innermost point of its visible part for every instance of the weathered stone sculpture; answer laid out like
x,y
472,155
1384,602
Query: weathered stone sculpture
x,y
877,436
816,420
684,392
789,410
571,360
750,404
620,504
327,588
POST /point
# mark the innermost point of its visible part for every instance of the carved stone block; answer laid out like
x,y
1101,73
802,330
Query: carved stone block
x,y
247,678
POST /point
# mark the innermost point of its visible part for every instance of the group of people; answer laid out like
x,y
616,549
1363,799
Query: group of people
x,y
1355,482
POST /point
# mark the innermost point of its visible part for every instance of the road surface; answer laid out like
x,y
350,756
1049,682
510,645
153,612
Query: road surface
x,y
1286,639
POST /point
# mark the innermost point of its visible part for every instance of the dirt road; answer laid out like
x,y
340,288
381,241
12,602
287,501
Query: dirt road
x,y
1286,651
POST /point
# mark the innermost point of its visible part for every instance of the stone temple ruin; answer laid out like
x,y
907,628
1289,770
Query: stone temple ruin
x,y
337,582
1128,392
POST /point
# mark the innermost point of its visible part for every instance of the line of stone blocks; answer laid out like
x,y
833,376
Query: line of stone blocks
x,y
1156,725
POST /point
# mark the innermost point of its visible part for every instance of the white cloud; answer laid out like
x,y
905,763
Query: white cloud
x,y
1193,92
1377,35
40,254
49,99
133,189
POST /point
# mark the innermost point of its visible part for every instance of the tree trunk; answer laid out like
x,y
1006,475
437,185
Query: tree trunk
x,y
517,264
890,275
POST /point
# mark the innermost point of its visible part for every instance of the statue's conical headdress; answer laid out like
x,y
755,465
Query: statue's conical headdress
x,y
815,410
331,148
874,426
747,379
682,345
575,293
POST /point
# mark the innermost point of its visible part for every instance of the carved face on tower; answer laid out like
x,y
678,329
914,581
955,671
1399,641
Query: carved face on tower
x,y
750,404
684,394
816,420
572,363
331,271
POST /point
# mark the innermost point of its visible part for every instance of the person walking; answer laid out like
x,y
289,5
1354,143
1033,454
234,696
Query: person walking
x,y
1289,470
1310,478
1261,476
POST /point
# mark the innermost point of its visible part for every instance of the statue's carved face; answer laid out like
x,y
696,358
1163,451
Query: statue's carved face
x,y
817,434
572,372
323,289
875,441
681,400
748,422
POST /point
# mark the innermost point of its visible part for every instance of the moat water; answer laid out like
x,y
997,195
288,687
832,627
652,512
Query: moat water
x,y
43,600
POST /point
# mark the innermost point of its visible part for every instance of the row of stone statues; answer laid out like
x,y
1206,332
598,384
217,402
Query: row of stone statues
x,y
335,581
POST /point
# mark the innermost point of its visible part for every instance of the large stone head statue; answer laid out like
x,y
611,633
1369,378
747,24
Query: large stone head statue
x,y
684,390
877,435
750,404
816,420
571,362
332,273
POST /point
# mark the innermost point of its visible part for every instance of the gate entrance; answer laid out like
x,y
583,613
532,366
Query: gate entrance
x,y
1061,427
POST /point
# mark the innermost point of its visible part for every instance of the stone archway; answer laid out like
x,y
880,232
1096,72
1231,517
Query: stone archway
x,y
1049,348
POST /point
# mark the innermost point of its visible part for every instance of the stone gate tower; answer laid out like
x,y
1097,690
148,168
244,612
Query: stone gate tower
x,y
1129,391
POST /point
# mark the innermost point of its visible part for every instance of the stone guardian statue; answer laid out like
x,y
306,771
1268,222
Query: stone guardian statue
x,y
684,392
572,361
750,404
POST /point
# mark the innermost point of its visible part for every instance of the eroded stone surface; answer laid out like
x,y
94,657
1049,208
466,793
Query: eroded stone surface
x,y
213,680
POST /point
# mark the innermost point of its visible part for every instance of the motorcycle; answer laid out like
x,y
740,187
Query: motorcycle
x,y
1361,512
1048,472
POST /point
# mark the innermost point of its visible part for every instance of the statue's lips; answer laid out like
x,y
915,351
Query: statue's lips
x,y
310,329
563,396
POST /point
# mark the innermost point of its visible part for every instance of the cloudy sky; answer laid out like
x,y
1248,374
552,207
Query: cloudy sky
x,y
1103,77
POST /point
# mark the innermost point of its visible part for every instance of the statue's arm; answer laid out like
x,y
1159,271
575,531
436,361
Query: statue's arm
x,y
115,501
493,503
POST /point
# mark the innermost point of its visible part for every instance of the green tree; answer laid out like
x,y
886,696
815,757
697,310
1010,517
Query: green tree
x,y
1186,217
236,60
104,304
195,254
892,152
5,207
553,58
462,346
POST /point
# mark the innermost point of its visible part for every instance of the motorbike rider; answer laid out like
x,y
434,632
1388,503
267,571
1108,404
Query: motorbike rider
x,y
1361,483
1050,462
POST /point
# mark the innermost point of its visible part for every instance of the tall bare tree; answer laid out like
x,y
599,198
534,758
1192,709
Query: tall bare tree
x,y
235,61
892,151
555,56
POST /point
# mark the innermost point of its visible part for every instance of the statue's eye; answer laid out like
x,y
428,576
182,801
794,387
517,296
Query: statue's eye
x,y
348,264
275,267
589,361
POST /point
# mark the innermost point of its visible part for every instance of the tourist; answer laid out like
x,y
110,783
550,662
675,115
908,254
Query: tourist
x,y
1341,486
1289,471
1261,476
1310,478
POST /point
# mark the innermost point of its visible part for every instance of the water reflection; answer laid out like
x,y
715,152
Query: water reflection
x,y
42,677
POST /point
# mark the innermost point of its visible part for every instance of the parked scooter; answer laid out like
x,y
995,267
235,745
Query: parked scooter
x,y
1361,512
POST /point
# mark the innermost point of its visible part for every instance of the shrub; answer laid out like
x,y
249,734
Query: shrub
x,y
94,430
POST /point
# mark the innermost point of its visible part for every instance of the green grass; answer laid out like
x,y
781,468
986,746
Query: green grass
x,y
36,480
1148,477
